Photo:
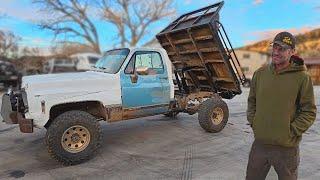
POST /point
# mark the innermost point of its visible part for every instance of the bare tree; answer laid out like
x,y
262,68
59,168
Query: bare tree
x,y
71,19
8,44
133,18
30,51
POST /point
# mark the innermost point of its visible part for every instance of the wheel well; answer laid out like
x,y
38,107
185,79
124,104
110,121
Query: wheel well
x,y
94,108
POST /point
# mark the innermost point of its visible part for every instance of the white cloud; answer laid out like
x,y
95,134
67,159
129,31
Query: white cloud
x,y
187,2
27,11
257,2
304,1
14,8
271,33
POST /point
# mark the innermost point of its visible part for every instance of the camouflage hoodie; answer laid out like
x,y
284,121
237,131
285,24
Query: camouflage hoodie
x,y
281,105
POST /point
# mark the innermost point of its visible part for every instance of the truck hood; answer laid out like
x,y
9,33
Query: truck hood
x,y
70,83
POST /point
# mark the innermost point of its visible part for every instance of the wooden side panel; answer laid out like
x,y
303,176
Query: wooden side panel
x,y
197,47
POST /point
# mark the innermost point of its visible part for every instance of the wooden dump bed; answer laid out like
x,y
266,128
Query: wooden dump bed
x,y
201,53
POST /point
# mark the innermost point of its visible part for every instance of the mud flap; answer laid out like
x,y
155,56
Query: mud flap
x,y
26,125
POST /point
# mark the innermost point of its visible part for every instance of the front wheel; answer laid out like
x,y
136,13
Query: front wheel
x,y
73,137
213,115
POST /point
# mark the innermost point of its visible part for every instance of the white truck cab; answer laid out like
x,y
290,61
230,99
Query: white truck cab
x,y
111,83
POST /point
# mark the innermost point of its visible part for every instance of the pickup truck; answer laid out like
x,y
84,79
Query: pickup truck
x,y
129,83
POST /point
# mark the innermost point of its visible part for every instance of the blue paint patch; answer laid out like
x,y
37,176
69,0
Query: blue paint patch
x,y
149,90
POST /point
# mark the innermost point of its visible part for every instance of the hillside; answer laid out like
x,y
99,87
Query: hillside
x,y
308,44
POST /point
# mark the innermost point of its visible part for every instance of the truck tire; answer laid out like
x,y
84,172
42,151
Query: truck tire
x,y
213,115
73,137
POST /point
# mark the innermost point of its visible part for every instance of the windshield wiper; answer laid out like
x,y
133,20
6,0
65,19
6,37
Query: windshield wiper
x,y
96,67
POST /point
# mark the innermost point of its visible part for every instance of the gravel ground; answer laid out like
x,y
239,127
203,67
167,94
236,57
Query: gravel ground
x,y
154,148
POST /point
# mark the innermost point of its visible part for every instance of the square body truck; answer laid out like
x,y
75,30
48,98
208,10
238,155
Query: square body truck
x,y
192,73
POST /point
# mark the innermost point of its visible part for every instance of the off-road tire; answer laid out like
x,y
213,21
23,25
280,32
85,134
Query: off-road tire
x,y
205,114
57,129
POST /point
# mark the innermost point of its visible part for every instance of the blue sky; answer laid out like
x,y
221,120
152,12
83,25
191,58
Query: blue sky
x,y
246,21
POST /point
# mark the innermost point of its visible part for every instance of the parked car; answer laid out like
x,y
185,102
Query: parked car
x,y
59,66
129,83
85,61
77,62
9,76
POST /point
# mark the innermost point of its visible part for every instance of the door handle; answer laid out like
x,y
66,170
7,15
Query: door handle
x,y
134,78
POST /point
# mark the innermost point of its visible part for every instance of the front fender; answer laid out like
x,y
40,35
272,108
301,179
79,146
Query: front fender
x,y
41,115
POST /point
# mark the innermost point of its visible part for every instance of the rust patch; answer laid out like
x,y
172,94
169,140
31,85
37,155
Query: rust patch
x,y
117,113
131,113
183,100
114,113
26,125
134,78
14,118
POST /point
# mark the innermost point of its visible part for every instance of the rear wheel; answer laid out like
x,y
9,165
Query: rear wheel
x,y
73,137
213,115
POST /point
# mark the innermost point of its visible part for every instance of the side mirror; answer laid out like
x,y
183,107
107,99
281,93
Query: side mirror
x,y
134,78
142,71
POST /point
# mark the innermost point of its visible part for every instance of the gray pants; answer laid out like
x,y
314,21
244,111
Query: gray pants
x,y
284,160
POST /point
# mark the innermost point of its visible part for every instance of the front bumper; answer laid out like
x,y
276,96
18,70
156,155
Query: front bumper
x,y
11,114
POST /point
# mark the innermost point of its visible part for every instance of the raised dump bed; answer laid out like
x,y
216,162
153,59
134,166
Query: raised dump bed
x,y
201,53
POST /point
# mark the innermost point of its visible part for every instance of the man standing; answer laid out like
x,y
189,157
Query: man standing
x,y
281,108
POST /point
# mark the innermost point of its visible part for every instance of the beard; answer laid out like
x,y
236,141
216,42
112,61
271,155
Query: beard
x,y
278,59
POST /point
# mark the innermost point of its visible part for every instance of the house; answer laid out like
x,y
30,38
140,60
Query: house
x,y
250,61
313,65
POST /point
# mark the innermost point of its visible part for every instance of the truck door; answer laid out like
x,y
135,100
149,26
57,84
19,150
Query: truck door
x,y
147,90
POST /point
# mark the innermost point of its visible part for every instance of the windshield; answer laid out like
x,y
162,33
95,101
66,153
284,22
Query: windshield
x,y
112,60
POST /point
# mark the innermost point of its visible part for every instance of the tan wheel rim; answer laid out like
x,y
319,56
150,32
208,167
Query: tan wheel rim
x,y
217,116
75,139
